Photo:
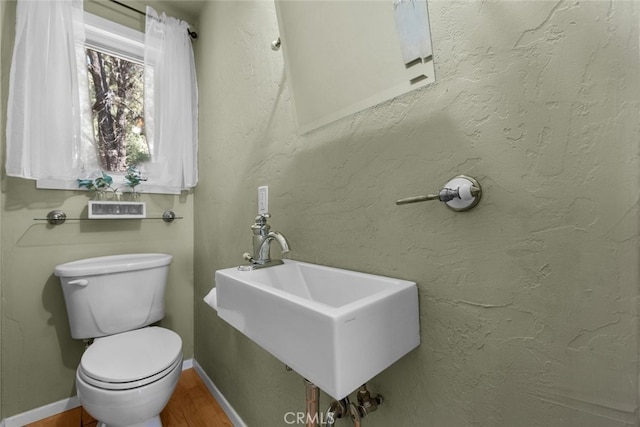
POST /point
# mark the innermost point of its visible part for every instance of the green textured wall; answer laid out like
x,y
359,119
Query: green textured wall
x,y
3,88
38,355
529,303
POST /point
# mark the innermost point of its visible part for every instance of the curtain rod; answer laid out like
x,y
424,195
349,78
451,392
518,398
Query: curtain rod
x,y
193,34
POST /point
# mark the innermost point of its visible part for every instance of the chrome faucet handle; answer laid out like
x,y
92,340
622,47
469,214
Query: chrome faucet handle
x,y
260,226
262,218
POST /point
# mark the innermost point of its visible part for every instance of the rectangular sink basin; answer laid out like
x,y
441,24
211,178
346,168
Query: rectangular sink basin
x,y
337,328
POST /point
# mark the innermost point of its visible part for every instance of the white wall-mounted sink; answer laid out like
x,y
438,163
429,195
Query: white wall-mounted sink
x,y
337,328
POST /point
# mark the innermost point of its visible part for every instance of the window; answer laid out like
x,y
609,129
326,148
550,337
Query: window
x,y
60,148
115,75
115,57
116,88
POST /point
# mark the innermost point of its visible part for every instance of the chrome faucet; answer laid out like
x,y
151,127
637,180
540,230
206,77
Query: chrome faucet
x,y
262,239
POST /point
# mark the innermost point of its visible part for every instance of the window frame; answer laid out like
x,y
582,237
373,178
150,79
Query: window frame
x,y
116,39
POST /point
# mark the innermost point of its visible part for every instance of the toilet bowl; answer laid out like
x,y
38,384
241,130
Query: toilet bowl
x,y
128,374
128,378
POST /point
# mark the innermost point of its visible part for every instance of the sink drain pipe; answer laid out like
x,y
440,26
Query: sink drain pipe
x,y
366,405
312,402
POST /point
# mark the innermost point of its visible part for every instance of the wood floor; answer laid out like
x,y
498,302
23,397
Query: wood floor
x,y
190,406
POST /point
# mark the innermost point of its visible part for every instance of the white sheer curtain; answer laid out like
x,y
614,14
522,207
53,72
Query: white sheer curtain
x,y
48,131
171,102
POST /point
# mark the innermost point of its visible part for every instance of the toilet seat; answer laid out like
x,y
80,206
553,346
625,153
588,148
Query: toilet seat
x,y
131,359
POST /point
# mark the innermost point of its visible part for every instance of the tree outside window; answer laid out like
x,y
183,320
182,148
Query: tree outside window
x,y
116,89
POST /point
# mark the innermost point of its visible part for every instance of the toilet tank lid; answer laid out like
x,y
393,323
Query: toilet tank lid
x,y
112,264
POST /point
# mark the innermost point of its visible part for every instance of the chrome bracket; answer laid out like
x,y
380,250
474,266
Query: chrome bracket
x,y
56,217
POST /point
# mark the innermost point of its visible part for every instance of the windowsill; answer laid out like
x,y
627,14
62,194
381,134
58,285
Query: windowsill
x,y
63,184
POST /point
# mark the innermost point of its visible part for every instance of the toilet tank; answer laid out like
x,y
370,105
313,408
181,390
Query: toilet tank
x,y
112,294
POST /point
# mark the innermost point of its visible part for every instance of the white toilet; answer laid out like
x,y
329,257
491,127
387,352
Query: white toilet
x,y
128,374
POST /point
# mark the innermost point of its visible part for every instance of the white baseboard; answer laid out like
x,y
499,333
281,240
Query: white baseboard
x,y
234,417
73,402
187,364
41,413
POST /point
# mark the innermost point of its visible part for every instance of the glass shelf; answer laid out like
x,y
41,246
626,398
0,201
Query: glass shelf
x,y
58,217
